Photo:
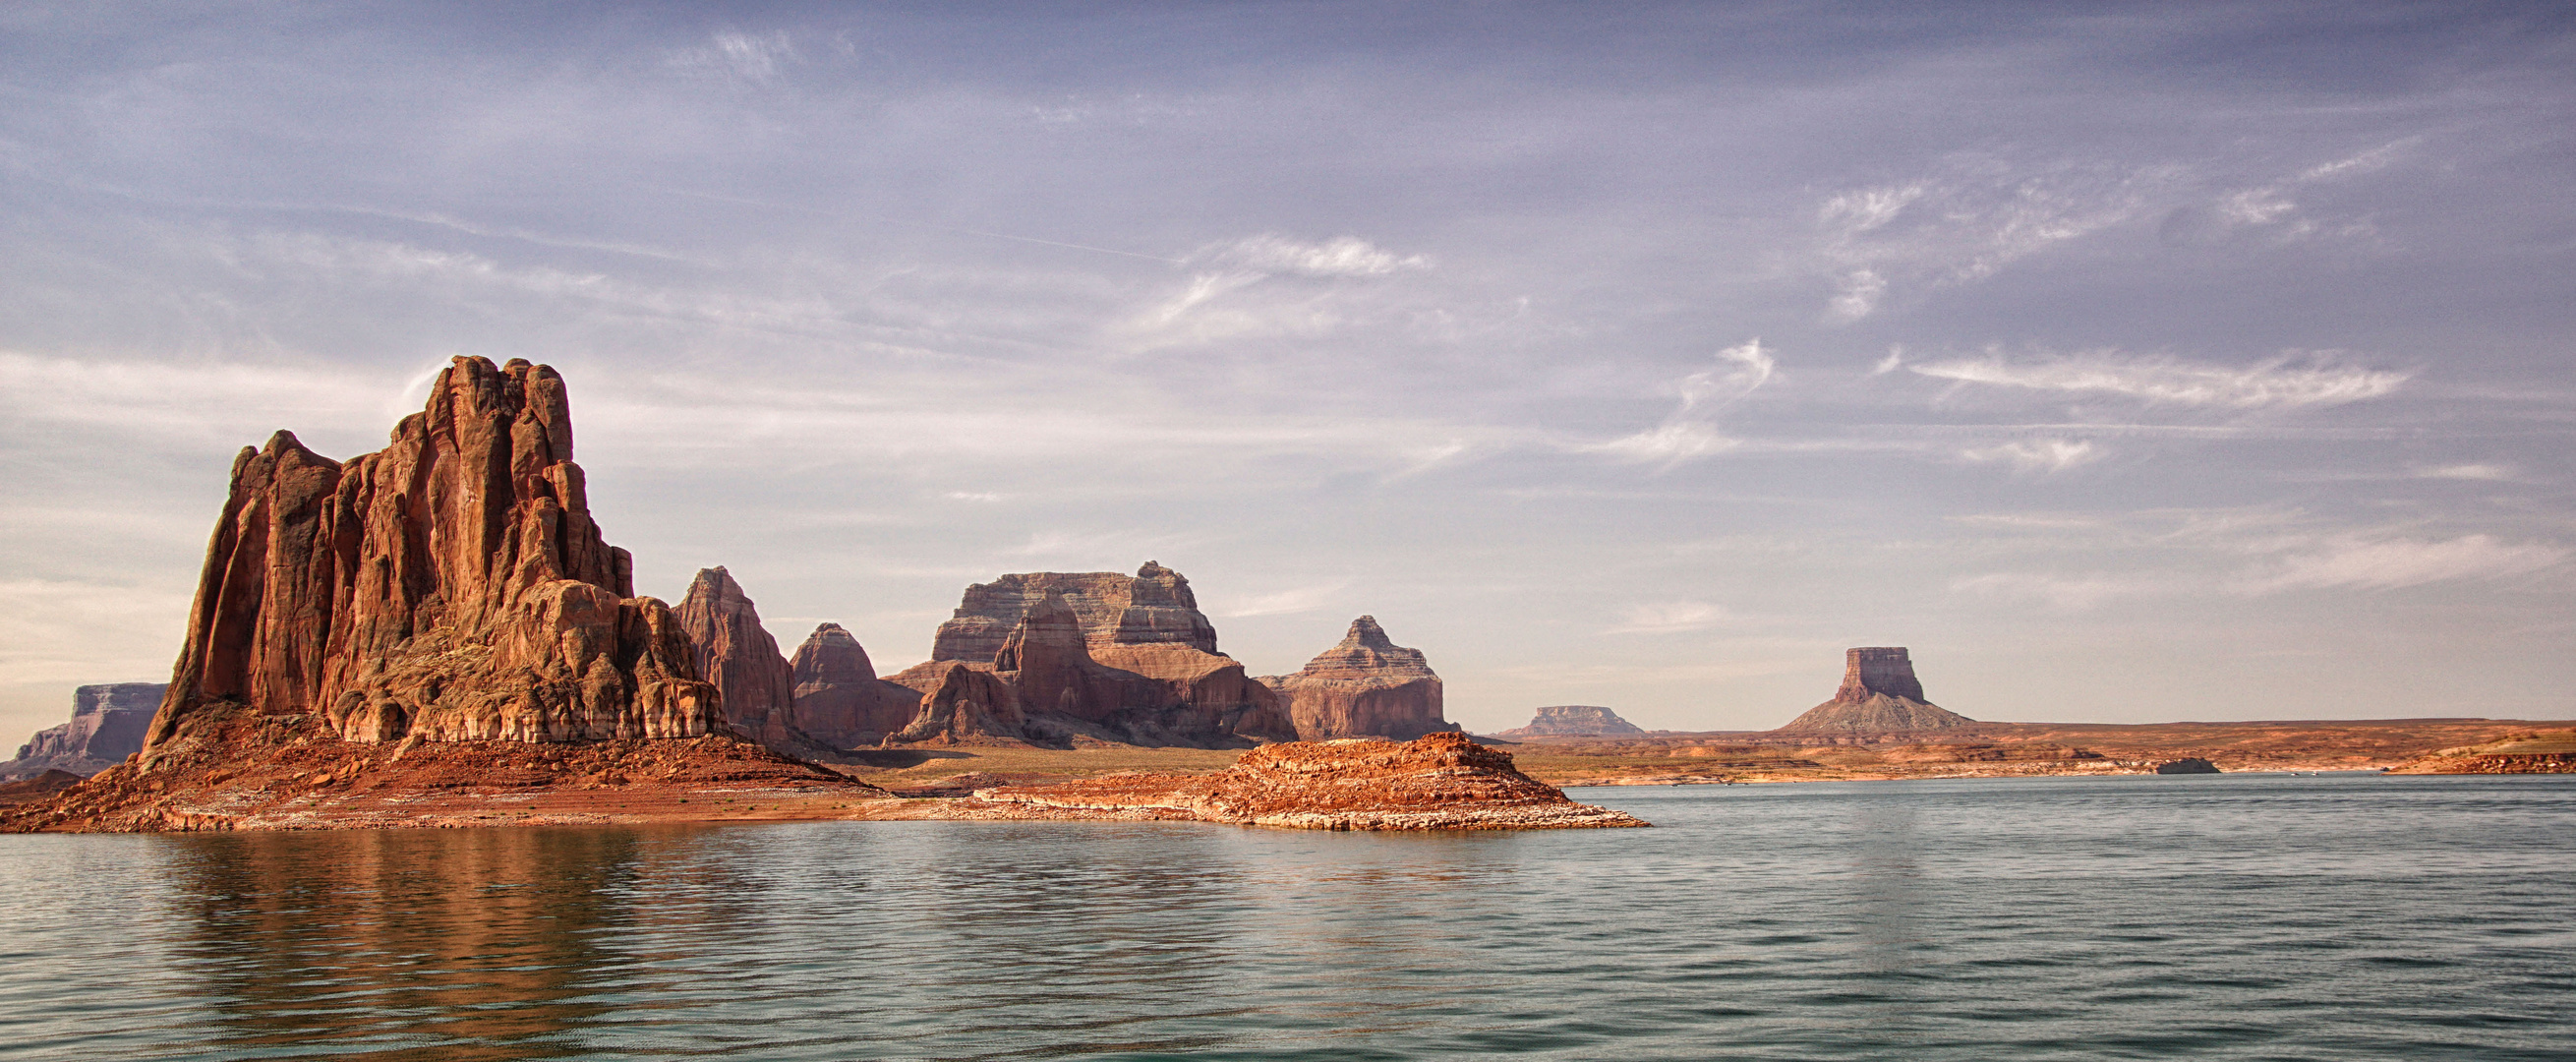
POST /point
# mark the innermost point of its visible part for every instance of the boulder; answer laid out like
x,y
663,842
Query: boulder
x,y
451,586
1879,695
736,653
1367,686
1573,720
838,698
108,723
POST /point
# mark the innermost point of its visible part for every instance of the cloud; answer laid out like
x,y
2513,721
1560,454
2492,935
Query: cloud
x,y
1690,432
1856,295
1285,602
2288,381
1894,360
1339,257
2063,594
2483,472
1669,617
2388,564
742,56
2037,455
1967,223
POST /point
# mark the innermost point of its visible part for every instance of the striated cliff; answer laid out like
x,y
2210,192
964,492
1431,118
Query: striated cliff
x,y
1367,686
108,723
733,651
451,586
1049,657
1879,694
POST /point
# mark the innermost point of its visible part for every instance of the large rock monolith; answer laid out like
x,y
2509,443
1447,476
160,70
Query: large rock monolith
x,y
1879,695
1367,686
736,653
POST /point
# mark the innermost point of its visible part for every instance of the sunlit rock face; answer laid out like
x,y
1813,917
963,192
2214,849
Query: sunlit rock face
x,y
1367,686
733,651
1879,694
838,698
451,586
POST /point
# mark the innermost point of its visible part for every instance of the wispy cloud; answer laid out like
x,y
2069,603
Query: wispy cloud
x,y
1691,430
2289,381
1668,617
1280,603
2478,472
756,58
2387,564
1980,214
2037,455
2061,593
1339,257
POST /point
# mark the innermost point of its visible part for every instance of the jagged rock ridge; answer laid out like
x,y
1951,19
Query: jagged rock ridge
x,y
108,724
1573,720
1366,686
451,586
1879,694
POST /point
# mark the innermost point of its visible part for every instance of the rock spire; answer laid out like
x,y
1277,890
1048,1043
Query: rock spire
x,y
736,653
451,586
1367,686
1879,694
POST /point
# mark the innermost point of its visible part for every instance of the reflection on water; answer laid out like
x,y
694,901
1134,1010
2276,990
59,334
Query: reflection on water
x,y
2252,917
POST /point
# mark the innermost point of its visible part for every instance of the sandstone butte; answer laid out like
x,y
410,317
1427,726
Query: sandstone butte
x,y
1051,658
1879,696
107,725
1573,720
2528,752
428,614
1367,686
1442,781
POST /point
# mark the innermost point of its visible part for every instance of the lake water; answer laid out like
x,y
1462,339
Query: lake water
x,y
2240,916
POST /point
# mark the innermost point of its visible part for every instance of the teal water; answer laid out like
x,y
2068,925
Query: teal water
x,y
2231,917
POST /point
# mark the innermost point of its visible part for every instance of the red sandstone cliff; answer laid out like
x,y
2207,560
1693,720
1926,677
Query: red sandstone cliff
x,y
451,586
108,723
1879,694
839,700
736,653
1048,656
1367,686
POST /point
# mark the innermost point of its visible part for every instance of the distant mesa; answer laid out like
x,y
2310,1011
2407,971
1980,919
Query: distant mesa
x,y
2187,765
1574,720
1879,695
108,723
1367,686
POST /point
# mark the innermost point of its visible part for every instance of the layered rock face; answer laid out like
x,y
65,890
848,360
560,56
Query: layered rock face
x,y
1438,782
1152,607
838,698
1367,686
1573,720
1879,694
736,653
451,586
108,724
1048,656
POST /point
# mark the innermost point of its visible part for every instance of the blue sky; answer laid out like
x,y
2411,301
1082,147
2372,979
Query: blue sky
x,y
2129,363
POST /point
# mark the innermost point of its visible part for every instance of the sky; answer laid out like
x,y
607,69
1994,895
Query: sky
x,y
2128,363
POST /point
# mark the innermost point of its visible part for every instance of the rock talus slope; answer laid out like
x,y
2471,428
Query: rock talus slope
x,y
107,725
1879,694
1438,782
1367,686
451,586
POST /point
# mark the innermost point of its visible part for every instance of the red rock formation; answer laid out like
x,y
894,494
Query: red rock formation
x,y
1879,694
1367,686
1573,720
108,723
839,700
961,704
1440,782
1152,607
451,586
1095,654
736,653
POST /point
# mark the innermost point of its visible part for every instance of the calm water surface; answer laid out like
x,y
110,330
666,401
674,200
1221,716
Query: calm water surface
x,y
2242,916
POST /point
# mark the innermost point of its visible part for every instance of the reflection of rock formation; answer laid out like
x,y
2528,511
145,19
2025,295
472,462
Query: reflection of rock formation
x,y
839,700
1573,720
736,653
1879,694
1367,686
107,726
450,586
1048,656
